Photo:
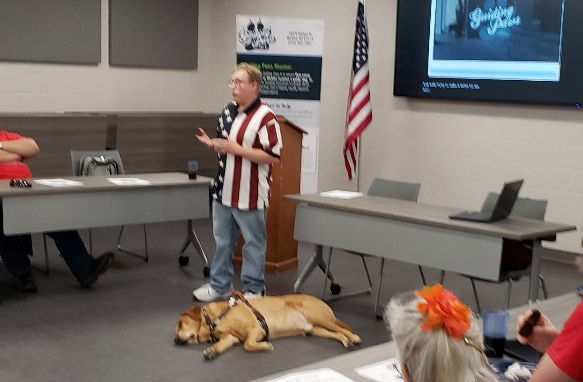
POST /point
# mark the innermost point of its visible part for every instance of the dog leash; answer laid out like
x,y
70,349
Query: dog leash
x,y
258,315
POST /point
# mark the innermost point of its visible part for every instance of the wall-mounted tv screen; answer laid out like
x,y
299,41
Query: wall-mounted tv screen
x,y
526,51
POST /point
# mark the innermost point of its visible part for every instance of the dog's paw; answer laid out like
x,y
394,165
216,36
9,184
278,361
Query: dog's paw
x,y
351,343
209,353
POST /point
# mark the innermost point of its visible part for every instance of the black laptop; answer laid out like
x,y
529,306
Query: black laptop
x,y
501,208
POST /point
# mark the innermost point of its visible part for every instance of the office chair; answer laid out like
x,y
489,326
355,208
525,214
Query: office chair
x,y
379,187
76,157
516,255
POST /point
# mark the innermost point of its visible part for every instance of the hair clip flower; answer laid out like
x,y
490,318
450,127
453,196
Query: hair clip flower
x,y
443,309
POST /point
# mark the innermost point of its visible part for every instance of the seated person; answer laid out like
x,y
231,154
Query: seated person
x,y
14,250
562,361
438,338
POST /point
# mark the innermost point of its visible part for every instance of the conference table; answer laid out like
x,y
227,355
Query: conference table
x,y
54,204
96,201
416,233
355,365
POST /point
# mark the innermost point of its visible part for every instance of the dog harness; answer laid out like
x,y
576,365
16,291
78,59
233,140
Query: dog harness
x,y
213,325
258,315
236,299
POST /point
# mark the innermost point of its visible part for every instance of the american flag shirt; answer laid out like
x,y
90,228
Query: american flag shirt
x,y
241,183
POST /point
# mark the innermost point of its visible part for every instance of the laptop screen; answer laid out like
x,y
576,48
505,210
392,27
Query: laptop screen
x,y
506,199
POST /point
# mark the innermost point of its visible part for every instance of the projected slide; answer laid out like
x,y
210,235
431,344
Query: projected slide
x,y
496,39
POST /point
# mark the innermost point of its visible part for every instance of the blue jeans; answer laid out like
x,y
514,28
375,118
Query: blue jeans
x,y
14,251
227,223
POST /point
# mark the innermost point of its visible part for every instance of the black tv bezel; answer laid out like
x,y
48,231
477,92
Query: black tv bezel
x,y
410,68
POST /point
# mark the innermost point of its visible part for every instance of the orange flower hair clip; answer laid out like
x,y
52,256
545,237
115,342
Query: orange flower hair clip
x,y
443,309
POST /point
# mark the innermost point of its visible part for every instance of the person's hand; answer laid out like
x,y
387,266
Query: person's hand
x,y
543,332
226,146
204,138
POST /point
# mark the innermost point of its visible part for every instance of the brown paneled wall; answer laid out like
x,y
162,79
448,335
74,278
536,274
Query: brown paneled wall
x,y
165,142
147,142
57,135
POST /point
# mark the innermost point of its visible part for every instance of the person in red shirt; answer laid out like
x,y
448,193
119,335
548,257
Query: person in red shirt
x,y
14,250
562,361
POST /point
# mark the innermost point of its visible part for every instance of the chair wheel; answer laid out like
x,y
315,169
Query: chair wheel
x,y
206,271
183,260
335,288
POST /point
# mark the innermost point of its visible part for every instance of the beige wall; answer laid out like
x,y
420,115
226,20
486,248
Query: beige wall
x,y
458,150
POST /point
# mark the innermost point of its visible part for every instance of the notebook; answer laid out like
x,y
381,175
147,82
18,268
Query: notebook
x,y
501,208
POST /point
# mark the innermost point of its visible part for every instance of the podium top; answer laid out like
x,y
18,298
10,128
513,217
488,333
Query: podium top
x,y
282,119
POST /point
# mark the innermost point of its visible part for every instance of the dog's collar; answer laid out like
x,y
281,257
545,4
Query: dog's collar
x,y
210,324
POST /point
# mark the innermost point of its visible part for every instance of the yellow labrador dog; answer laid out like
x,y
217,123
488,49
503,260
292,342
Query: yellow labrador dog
x,y
255,322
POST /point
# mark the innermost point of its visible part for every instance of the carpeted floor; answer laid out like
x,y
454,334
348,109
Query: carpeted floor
x,y
122,329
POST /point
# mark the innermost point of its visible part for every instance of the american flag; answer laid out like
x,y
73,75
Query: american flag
x,y
358,110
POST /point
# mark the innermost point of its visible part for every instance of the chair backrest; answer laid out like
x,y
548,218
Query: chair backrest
x,y
516,255
394,189
76,157
523,208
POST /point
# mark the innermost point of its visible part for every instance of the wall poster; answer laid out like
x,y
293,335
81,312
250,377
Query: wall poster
x,y
289,54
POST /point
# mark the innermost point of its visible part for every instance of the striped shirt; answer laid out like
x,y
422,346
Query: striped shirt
x,y
241,183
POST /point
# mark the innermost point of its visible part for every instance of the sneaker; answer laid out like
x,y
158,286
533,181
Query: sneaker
x,y
252,295
206,293
97,267
27,283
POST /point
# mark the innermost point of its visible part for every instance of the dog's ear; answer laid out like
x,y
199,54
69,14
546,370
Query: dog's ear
x,y
194,313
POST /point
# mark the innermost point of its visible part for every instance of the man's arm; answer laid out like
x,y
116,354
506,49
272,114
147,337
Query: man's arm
x,y
229,146
18,149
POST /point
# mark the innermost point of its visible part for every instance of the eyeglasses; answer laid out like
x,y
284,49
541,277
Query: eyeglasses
x,y
236,83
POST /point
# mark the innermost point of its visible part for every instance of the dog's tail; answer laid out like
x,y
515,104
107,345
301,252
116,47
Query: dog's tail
x,y
343,324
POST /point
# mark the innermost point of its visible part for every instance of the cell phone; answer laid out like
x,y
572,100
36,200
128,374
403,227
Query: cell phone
x,y
526,329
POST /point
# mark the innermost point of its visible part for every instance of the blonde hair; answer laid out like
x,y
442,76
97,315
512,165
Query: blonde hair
x,y
253,72
434,355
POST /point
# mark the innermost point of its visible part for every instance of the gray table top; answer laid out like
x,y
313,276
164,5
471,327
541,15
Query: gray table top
x,y
100,183
435,216
558,309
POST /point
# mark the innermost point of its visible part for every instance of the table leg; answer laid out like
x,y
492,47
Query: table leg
x,y
191,238
316,260
534,271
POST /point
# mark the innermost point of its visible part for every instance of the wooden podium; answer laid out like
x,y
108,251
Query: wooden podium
x,y
282,248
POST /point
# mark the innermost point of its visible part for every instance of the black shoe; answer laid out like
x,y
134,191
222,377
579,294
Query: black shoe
x,y
97,267
27,284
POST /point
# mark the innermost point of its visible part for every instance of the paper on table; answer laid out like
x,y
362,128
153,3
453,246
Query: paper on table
x,y
317,375
382,371
129,181
58,182
341,194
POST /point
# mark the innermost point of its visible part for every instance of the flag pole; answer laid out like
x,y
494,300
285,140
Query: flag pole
x,y
358,162
359,143
358,109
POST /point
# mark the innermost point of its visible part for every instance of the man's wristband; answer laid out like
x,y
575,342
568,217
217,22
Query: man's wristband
x,y
1,146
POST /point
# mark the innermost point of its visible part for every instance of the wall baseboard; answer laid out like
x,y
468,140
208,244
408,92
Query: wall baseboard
x,y
559,256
